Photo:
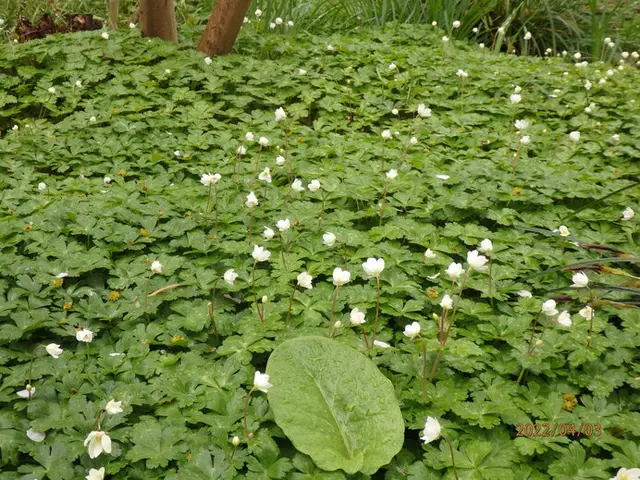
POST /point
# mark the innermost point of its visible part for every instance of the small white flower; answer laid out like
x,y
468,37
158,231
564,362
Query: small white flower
x,y
635,55
304,280
413,140
428,254
462,74
331,48
177,153
329,239
42,186
577,55
549,308
297,185
340,277
54,350
564,231
27,392
280,114
230,276
627,474
501,31
278,21
424,111
78,84
283,225
84,335
386,134
207,179
486,246
105,35
263,141
258,13
391,174
475,30
515,98
431,430
280,160
446,302
62,275
112,407
454,270
259,254
574,136
337,324
290,23
434,24
356,317
242,150
208,60
564,319
106,180
268,233
302,71
456,24
443,177
261,382
272,25
481,45
156,267
378,343
92,119
607,39
615,137
517,89
235,441
314,186
525,140
525,294
132,25
586,313
412,330
527,36
93,473
373,266
580,280
476,262
249,137
587,85
98,442
15,128
445,39
394,111
35,435
251,200
628,213
392,66
265,175
521,124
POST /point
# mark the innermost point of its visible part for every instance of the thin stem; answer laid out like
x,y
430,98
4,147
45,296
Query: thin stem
x,y
206,210
366,342
453,461
321,217
215,208
212,306
382,202
246,408
490,279
146,290
255,295
333,304
593,314
284,262
375,322
293,292
435,363
250,238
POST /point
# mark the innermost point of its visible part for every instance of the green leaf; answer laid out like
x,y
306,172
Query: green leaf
x,y
334,405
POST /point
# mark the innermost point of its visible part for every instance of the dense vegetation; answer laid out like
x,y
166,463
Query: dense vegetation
x,y
114,250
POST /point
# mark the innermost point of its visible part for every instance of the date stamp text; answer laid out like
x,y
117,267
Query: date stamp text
x,y
558,429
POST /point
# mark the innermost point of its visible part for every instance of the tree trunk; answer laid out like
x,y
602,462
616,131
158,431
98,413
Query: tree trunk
x,y
113,13
158,18
223,27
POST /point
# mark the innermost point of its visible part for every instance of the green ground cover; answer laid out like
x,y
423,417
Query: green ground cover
x,y
104,144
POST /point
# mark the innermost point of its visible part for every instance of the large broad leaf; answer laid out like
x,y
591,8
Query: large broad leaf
x,y
334,405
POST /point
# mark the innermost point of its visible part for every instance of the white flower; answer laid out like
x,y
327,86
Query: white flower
x,y
51,89
580,280
258,13
302,71
486,246
177,153
525,293
549,308
476,262
378,343
412,330
27,392
35,435
92,119
207,179
413,140
395,111
615,137
93,473
586,313
424,111
15,128
106,180
314,186
574,136
373,267
280,114
356,317
113,407
462,74
290,23
272,25
587,85
242,150
455,24
564,231
635,55
627,474
156,267
628,213
304,280
525,140
268,233
278,21
297,185
42,186
522,124
515,98
280,160
443,177
283,225
54,350
263,141
230,276
428,254
527,36
265,175
564,319
446,302
431,430
577,55
329,239
98,442
259,254
501,31
391,174
208,60
105,35
434,24
392,66
454,270
481,45
517,89
337,324
386,134
235,441
132,25
331,48
84,335
340,277
475,30
251,200
607,39
249,137
261,382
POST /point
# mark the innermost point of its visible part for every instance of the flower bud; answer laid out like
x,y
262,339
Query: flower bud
x,y
235,441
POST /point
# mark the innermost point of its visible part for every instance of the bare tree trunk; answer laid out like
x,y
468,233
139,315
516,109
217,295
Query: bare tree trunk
x,y
158,18
223,27
113,13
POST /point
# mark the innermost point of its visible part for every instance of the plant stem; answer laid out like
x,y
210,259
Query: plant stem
x,y
206,209
250,238
146,290
286,322
366,342
375,322
453,462
255,296
382,202
246,408
490,280
333,304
